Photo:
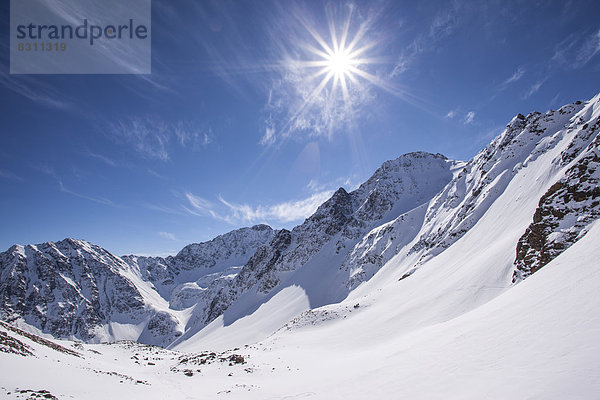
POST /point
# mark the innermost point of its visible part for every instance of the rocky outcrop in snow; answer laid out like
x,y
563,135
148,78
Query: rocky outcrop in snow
x,y
430,229
566,209
68,289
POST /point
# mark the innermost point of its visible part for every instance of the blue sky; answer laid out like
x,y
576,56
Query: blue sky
x,y
235,125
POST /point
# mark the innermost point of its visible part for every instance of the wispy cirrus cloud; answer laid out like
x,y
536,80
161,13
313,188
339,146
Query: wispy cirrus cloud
x,y
533,89
443,24
575,51
466,118
155,139
518,74
283,212
99,200
200,206
451,114
469,117
104,159
589,49
6,174
36,91
167,235
51,172
571,53
235,213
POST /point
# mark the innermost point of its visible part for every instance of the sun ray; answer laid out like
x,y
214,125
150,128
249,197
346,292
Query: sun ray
x,y
308,101
315,34
315,51
335,77
346,28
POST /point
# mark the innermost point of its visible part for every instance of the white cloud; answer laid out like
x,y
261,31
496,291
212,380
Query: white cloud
x,y
469,117
165,209
289,211
588,49
102,158
518,74
534,88
451,114
200,206
156,174
576,51
99,200
35,90
443,24
350,183
269,136
283,212
48,170
167,235
146,139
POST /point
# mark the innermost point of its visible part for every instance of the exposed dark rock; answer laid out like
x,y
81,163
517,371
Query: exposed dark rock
x,y
563,213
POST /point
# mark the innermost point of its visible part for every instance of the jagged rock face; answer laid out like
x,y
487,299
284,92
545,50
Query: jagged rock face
x,y
191,276
68,289
161,330
230,249
396,187
259,270
563,212
239,244
73,289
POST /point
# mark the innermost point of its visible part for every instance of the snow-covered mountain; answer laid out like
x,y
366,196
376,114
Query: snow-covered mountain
x,y
505,182
312,253
74,289
432,272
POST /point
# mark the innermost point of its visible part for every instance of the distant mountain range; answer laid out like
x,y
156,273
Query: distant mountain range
x,y
535,188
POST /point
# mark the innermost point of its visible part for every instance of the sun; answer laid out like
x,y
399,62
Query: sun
x,y
339,63
332,68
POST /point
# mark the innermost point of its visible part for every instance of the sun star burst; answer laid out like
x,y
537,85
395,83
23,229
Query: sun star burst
x,y
339,63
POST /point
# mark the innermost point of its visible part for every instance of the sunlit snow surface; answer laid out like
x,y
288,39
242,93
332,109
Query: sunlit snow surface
x,y
428,323
536,340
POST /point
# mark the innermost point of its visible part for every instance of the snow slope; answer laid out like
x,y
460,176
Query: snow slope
x,y
310,257
536,340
